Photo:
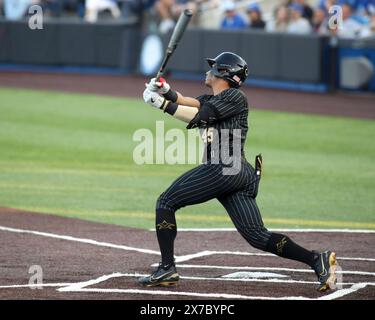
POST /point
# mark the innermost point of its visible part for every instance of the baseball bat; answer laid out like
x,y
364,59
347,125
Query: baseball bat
x,y
177,34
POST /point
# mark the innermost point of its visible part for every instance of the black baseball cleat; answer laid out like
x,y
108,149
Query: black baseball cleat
x,y
163,277
325,269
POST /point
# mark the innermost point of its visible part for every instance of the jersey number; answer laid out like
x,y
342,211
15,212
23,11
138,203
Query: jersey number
x,y
207,135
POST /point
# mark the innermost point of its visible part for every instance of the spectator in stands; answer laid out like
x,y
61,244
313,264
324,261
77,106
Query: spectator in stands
x,y
320,22
351,28
93,7
281,3
135,9
232,19
298,24
368,29
281,21
255,17
372,26
209,14
284,3
326,4
169,11
16,9
355,4
308,12
370,8
361,11
136,6
56,8
52,8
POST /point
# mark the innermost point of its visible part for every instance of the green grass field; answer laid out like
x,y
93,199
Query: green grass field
x,y
71,155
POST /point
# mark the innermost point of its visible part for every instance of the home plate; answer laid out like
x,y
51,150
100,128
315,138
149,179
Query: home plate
x,y
253,275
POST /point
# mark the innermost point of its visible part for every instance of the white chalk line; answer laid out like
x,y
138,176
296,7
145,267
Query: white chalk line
x,y
332,296
273,280
193,256
110,245
81,287
66,287
356,259
187,294
42,285
82,240
275,230
344,292
202,266
241,253
148,251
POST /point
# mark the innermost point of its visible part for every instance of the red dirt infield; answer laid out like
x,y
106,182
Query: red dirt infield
x,y
88,260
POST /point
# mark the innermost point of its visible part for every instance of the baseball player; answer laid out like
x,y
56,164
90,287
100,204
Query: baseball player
x,y
221,115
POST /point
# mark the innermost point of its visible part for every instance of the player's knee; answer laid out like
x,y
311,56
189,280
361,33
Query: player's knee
x,y
165,202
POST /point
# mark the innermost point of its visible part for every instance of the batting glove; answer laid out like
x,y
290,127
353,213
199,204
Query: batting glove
x,y
160,86
154,99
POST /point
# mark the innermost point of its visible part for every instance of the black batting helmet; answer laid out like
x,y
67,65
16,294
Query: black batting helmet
x,y
231,67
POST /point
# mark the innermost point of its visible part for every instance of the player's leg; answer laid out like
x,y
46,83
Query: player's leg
x,y
198,185
245,215
244,212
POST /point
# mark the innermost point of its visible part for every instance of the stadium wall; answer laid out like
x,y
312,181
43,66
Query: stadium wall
x,y
71,44
276,60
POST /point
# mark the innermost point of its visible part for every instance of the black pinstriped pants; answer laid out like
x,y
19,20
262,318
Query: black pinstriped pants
x,y
235,192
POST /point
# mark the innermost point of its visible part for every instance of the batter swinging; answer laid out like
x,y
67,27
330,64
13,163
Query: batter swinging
x,y
223,116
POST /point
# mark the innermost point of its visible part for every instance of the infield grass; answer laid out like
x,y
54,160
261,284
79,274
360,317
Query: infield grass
x,y
71,155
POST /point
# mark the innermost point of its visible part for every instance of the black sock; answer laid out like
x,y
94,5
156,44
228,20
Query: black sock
x,y
166,231
283,246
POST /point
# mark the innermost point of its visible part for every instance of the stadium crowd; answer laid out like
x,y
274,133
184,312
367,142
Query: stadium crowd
x,y
289,16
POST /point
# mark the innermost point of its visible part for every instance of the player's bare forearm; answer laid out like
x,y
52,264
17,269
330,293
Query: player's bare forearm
x,y
184,113
187,101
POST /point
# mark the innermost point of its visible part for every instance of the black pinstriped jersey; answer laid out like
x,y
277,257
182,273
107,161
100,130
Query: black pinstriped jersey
x,y
229,125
